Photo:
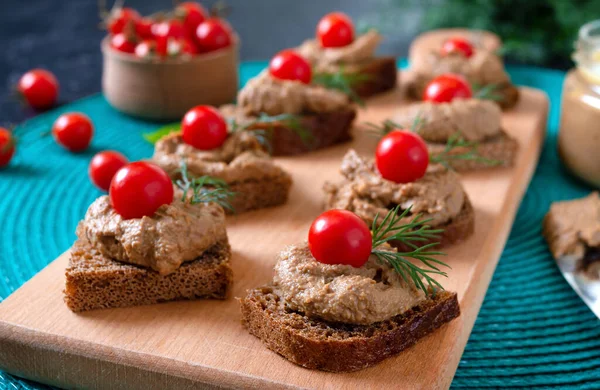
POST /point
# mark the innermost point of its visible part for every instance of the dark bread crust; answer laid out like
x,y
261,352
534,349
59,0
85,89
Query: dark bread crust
x,y
94,281
458,229
382,73
334,347
501,148
325,129
258,194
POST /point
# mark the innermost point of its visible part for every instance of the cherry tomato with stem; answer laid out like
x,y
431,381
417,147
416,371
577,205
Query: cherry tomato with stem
x,y
289,65
401,156
192,14
335,30
104,166
119,19
143,28
73,131
213,34
204,128
7,146
122,43
39,88
447,87
340,237
138,189
457,45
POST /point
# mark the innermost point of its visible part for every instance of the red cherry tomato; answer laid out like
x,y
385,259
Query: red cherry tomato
x,y
146,49
457,45
340,237
73,131
143,28
122,43
7,146
204,128
139,189
193,14
335,30
213,34
289,65
104,166
186,46
119,19
39,88
402,156
168,29
447,87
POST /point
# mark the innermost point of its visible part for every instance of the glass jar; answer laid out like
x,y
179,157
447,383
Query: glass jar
x,y
579,136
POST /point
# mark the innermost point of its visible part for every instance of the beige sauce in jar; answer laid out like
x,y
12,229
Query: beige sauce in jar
x,y
579,137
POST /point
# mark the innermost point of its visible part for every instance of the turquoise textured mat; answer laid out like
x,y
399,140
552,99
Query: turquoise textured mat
x,y
532,331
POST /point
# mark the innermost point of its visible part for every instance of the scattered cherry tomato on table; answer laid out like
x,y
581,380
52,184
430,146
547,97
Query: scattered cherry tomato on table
x,y
139,189
73,131
204,128
213,34
104,166
335,30
39,88
122,43
7,146
119,18
457,45
289,65
192,14
340,237
401,156
447,87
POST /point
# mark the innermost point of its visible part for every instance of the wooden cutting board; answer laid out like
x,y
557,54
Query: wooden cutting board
x,y
192,344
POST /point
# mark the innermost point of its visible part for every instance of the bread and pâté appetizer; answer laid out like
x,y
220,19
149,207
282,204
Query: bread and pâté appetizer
x,y
451,115
298,114
572,230
142,245
482,68
208,146
371,188
339,55
346,300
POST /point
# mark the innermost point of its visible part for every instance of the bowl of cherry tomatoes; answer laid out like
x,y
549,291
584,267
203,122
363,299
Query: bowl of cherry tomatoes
x,y
159,67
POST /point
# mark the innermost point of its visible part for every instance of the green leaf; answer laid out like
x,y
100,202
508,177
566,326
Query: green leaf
x,y
161,132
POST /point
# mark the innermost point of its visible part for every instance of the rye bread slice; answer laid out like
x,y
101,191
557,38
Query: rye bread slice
x,y
500,148
382,76
94,281
335,347
257,194
321,130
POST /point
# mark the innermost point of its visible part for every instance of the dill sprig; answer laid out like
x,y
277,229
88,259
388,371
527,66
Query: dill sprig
x,y
343,82
389,125
410,234
203,189
456,141
264,124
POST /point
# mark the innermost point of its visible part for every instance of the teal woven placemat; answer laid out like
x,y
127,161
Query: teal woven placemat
x,y
532,331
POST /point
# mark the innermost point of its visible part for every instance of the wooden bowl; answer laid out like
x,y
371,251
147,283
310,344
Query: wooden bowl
x,y
166,89
434,39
